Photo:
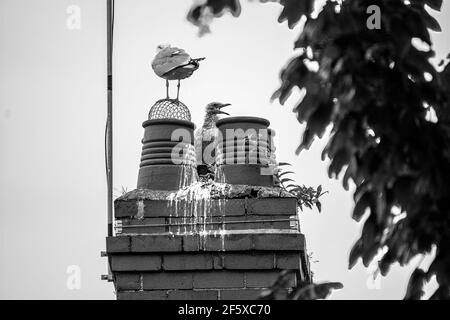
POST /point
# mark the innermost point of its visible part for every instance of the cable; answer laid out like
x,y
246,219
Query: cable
x,y
112,26
108,127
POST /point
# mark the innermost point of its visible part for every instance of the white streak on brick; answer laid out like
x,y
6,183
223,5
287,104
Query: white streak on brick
x,y
140,211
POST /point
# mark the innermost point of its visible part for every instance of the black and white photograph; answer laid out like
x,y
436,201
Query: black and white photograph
x,y
237,151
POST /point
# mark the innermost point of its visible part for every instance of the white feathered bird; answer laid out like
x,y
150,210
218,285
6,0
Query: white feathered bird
x,y
173,63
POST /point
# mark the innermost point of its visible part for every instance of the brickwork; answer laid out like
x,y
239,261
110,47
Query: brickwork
x,y
131,225
230,208
240,260
234,251
232,241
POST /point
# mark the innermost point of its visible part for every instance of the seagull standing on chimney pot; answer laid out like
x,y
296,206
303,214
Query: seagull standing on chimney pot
x,y
206,137
173,63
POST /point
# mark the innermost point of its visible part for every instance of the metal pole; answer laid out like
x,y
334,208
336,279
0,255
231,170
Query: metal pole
x,y
109,142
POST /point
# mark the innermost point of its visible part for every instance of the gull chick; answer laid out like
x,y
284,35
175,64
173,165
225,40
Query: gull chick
x,y
205,137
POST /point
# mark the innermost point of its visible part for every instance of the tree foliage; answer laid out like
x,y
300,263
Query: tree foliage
x,y
376,90
305,290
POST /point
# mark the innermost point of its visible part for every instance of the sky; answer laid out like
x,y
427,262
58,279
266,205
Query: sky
x,y
52,122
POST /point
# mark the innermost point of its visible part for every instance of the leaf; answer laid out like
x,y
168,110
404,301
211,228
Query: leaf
x,y
295,188
286,180
415,285
199,14
355,254
434,4
319,190
285,173
293,10
280,164
306,108
321,117
304,290
315,291
431,22
319,206
294,74
307,140
416,26
370,240
361,205
341,159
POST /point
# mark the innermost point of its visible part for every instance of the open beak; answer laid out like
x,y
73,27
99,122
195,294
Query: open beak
x,y
222,106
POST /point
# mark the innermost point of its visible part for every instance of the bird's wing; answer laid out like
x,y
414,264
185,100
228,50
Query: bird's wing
x,y
169,59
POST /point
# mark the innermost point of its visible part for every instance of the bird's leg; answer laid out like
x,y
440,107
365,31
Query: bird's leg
x,y
178,88
167,89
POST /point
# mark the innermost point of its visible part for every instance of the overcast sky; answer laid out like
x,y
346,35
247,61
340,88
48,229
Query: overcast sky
x,y
52,118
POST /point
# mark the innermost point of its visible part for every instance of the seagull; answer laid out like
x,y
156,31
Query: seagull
x,y
173,63
205,137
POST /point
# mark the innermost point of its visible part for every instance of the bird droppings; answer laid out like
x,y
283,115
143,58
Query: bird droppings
x,y
188,174
193,204
229,191
140,210
197,198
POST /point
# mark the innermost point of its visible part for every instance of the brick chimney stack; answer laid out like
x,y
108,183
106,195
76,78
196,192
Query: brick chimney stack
x,y
231,245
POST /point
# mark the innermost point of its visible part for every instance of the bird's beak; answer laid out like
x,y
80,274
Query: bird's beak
x,y
222,106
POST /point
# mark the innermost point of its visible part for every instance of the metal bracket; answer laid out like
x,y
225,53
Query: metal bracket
x,y
107,277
